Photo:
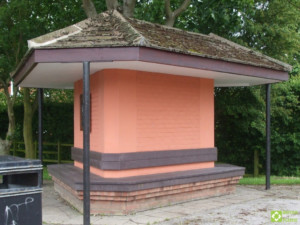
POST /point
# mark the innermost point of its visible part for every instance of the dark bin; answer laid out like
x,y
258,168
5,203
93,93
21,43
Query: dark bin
x,y
20,191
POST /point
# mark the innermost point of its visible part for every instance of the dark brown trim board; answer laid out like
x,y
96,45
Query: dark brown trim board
x,y
25,68
72,176
87,54
135,160
197,62
145,55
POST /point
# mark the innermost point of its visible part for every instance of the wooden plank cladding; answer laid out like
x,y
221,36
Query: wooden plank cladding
x,y
122,161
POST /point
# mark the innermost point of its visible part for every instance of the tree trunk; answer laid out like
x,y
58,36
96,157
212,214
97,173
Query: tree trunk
x,y
170,21
256,163
112,4
27,125
128,8
4,147
5,144
171,16
89,8
11,119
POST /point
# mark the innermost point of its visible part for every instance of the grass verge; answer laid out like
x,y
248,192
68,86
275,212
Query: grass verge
x,y
261,180
46,175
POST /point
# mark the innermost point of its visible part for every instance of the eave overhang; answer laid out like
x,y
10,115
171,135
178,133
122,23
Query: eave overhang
x,y
60,68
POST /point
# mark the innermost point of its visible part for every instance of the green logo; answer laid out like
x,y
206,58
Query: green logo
x,y
276,216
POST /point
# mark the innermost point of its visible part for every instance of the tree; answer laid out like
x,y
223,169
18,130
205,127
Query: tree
x,y
11,51
172,15
30,107
89,8
273,28
239,121
286,127
21,20
29,95
128,8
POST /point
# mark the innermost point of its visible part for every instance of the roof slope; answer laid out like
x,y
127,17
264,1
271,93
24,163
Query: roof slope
x,y
111,29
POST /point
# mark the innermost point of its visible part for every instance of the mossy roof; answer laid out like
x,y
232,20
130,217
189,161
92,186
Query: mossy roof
x,y
111,29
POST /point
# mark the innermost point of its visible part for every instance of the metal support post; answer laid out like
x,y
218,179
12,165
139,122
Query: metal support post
x,y
268,136
86,143
40,129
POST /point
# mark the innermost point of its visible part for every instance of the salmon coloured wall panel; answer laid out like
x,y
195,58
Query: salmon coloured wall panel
x,y
147,171
172,113
134,111
141,111
96,135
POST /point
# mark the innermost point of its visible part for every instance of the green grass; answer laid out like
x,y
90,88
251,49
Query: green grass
x,y
261,180
46,175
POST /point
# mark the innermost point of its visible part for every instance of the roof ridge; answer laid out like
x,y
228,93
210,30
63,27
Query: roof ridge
x,y
285,65
141,40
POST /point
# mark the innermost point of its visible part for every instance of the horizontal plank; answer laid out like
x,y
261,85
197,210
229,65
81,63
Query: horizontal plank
x,y
50,160
49,153
134,160
67,161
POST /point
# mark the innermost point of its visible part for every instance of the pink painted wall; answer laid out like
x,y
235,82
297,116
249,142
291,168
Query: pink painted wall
x,y
174,112
147,171
134,111
96,84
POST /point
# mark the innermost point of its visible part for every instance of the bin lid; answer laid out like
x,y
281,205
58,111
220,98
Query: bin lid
x,y
9,162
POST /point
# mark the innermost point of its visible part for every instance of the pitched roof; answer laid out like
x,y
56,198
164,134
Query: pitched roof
x,y
111,29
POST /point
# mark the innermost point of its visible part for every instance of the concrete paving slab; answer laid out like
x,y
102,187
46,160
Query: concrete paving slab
x,y
256,211
111,220
248,205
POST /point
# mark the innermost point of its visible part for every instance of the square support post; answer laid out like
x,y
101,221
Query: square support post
x,y
86,143
268,136
40,129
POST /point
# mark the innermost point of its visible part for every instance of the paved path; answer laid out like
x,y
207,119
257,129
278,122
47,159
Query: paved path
x,y
249,205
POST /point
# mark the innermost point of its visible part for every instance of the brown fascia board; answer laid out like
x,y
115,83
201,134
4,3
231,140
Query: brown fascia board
x,y
87,54
196,62
26,65
143,54
72,55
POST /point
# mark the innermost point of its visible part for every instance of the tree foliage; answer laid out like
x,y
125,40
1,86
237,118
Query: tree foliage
x,y
239,124
273,28
21,20
286,127
57,118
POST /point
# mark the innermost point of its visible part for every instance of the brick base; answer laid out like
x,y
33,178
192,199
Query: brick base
x,y
118,203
